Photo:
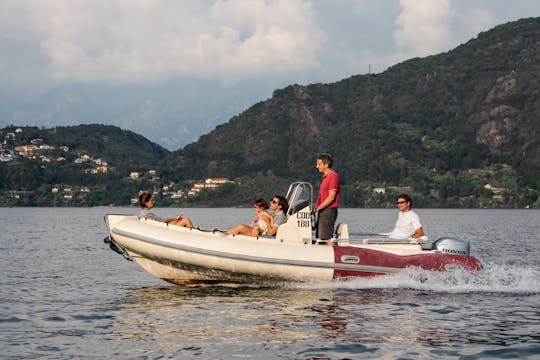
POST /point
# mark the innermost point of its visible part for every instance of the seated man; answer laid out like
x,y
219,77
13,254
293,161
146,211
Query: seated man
x,y
408,224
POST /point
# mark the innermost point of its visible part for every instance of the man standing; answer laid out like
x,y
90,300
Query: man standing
x,y
328,199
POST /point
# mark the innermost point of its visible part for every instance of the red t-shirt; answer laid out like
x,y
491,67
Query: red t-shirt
x,y
329,182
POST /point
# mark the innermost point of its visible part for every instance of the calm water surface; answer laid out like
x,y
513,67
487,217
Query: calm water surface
x,y
66,295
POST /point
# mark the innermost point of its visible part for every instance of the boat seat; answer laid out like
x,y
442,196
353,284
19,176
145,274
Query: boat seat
x,y
341,234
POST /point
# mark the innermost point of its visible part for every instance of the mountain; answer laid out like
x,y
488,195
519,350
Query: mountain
x,y
458,129
8,106
450,128
119,147
174,109
82,165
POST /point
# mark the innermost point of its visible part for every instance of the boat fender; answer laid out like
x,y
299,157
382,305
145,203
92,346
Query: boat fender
x,y
107,239
114,247
452,246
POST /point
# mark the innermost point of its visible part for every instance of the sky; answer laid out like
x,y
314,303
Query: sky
x,y
45,43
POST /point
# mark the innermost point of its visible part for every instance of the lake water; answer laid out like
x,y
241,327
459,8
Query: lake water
x,y
66,295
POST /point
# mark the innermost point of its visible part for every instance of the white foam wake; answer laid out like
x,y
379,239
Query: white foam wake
x,y
493,278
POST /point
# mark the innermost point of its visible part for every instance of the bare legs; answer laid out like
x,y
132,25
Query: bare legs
x,y
185,222
241,229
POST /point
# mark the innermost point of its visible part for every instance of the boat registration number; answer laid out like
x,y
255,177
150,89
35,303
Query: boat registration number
x,y
303,219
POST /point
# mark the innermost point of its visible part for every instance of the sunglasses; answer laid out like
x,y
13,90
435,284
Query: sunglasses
x,y
401,202
274,202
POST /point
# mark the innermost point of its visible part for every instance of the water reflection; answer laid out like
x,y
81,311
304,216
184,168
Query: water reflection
x,y
269,317
225,315
64,294
206,317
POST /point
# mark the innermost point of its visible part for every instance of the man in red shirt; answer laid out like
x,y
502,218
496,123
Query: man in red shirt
x,y
328,199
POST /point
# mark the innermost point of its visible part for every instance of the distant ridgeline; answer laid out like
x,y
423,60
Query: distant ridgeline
x,y
83,165
458,129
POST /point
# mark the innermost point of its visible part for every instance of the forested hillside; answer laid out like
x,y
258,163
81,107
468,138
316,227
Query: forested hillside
x,y
120,147
455,129
458,129
81,165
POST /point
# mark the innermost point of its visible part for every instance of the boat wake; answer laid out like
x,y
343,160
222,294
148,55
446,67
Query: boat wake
x,y
497,278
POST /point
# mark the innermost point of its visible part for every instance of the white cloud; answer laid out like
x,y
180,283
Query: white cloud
x,y
153,40
284,41
424,27
472,21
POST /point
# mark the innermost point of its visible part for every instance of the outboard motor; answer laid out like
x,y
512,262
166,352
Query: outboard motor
x,y
451,246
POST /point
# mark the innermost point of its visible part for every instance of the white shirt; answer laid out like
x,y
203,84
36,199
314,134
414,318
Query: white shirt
x,y
406,225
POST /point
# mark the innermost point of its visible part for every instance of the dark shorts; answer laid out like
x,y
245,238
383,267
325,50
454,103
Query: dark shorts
x,y
327,221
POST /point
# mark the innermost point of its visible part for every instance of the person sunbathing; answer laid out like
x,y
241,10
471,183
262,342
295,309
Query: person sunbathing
x,y
260,225
147,203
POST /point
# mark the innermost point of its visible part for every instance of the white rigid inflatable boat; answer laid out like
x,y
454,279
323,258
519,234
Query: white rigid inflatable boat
x,y
180,255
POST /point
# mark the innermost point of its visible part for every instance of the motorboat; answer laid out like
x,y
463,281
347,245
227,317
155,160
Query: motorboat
x,y
181,255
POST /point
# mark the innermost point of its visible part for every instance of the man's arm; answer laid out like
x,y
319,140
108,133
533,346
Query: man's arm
x,y
329,199
418,233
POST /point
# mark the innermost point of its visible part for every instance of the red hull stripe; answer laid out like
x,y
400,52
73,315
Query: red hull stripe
x,y
367,260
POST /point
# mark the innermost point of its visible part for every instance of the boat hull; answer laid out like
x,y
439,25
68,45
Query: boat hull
x,y
179,255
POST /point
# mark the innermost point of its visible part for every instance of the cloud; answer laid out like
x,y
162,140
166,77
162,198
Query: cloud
x,y
46,43
424,27
153,40
471,21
